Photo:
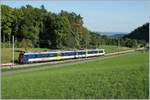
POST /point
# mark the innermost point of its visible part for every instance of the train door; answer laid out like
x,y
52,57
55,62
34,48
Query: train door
x,y
20,58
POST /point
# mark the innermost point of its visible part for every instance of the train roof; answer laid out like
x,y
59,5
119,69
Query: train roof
x,y
56,51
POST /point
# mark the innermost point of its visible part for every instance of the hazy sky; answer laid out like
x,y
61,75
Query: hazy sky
x,y
99,15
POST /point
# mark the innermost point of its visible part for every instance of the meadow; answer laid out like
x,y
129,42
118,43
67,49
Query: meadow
x,y
122,76
113,48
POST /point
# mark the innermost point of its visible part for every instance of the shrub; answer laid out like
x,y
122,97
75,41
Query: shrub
x,y
26,43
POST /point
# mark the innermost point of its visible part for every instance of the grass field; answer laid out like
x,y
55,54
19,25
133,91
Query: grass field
x,y
7,52
113,48
124,76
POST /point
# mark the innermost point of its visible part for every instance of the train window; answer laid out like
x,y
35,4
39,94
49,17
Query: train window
x,y
52,55
30,56
89,52
96,52
68,53
63,54
92,52
25,57
38,55
43,55
101,51
47,55
81,53
35,56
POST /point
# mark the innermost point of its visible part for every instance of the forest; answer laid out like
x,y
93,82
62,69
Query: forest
x,y
141,33
38,28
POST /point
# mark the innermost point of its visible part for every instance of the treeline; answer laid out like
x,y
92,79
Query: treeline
x,y
140,33
139,37
37,27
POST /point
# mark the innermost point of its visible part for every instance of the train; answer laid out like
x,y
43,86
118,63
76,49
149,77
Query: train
x,y
32,57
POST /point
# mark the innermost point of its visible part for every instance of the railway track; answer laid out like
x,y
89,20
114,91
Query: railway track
x,y
18,69
11,66
5,66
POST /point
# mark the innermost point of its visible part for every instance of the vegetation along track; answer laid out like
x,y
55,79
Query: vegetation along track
x,y
44,66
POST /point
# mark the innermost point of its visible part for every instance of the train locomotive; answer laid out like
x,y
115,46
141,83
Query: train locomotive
x,y
31,57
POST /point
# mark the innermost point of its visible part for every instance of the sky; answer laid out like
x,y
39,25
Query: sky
x,y
98,15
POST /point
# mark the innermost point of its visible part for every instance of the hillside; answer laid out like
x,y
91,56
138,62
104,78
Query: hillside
x,y
140,33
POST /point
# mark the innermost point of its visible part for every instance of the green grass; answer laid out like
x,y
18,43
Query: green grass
x,y
113,48
124,76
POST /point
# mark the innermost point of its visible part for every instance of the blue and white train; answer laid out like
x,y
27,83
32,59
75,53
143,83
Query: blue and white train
x,y
31,57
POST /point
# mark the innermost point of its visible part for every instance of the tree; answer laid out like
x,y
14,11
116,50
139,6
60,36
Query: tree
x,y
7,19
95,40
30,25
76,24
142,43
85,38
57,31
61,30
132,43
140,33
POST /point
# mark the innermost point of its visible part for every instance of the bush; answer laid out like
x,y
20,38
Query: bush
x,y
26,43
6,45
